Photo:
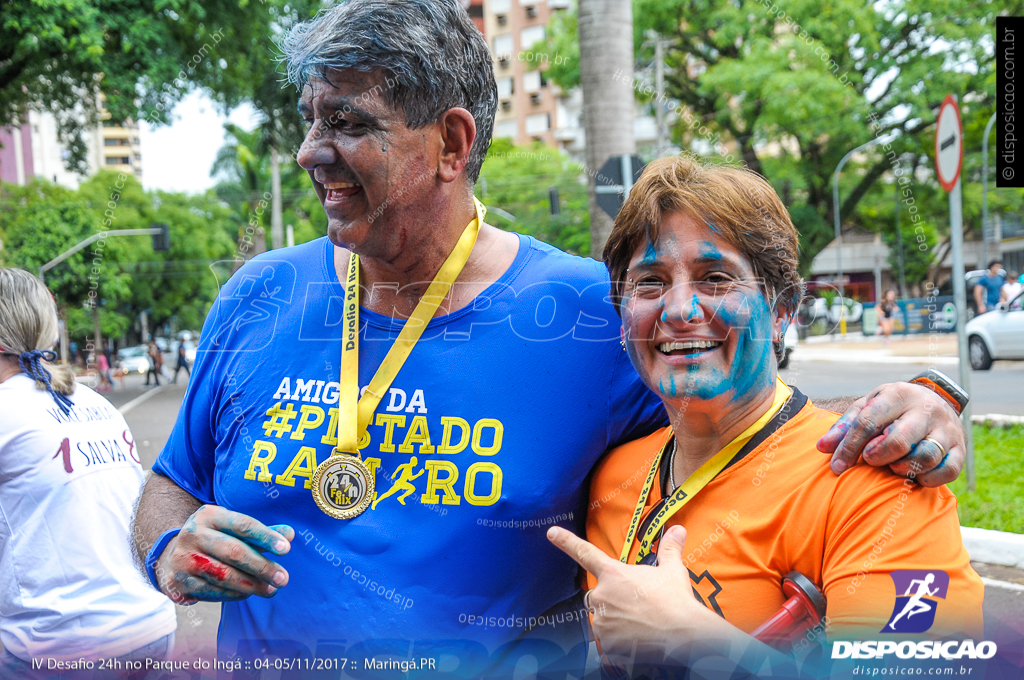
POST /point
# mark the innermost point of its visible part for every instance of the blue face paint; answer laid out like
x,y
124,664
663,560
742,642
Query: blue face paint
x,y
747,318
650,254
694,312
712,227
710,251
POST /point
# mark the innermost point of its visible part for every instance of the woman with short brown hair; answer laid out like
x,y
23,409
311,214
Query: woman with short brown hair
x,y
703,266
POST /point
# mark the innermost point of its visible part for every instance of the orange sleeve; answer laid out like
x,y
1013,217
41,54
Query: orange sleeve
x,y
884,536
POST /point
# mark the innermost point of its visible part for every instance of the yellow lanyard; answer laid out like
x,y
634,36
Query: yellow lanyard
x,y
354,417
694,483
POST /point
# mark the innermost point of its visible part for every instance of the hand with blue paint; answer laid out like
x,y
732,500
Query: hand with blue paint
x,y
218,556
904,426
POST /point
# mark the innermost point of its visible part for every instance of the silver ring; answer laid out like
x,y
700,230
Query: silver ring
x,y
942,449
586,602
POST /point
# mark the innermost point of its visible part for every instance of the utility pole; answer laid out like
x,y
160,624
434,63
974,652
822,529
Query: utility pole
x,y
987,232
276,226
899,246
659,84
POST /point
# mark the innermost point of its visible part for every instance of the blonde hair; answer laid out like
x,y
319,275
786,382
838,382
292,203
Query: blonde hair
x,y
28,321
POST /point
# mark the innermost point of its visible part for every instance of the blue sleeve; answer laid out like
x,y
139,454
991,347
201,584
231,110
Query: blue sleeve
x,y
633,410
188,457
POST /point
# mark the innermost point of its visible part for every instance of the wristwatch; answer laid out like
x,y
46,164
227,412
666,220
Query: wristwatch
x,y
942,385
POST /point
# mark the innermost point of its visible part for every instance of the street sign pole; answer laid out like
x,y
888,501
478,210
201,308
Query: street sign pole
x,y
956,231
948,162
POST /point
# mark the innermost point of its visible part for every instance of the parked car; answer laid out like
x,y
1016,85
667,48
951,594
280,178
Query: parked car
x,y
133,360
999,334
789,342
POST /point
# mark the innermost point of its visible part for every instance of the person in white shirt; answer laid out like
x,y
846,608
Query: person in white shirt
x,y
69,478
1011,289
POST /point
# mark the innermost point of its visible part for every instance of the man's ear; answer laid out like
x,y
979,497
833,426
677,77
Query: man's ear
x,y
458,131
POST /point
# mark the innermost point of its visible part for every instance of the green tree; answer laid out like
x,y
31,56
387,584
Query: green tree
x,y
793,88
244,166
144,55
516,179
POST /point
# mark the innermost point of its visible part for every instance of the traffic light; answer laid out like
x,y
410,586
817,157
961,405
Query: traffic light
x,y
161,241
553,200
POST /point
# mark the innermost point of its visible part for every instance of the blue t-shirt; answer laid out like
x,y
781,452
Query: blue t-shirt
x,y
992,286
485,439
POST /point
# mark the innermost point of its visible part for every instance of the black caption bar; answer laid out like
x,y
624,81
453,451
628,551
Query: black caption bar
x,y
1009,84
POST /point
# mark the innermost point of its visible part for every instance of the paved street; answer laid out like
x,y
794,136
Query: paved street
x,y
998,390
152,418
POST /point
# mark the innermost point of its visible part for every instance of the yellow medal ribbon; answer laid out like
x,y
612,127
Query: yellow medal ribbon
x,y
342,485
694,483
353,419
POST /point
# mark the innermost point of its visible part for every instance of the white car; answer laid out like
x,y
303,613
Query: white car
x,y
133,360
999,334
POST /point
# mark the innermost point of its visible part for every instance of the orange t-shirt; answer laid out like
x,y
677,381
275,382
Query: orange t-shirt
x,y
778,508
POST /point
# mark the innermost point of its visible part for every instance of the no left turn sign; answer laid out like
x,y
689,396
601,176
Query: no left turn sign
x,y
949,143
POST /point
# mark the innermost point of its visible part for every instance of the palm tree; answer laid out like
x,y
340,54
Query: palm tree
x,y
244,164
606,73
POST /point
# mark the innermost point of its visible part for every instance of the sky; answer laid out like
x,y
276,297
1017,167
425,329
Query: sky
x,y
178,157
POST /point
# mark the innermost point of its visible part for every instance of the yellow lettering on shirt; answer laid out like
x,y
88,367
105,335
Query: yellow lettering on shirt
x,y
331,438
437,483
260,461
478,431
449,423
470,491
389,420
303,464
310,418
372,464
417,434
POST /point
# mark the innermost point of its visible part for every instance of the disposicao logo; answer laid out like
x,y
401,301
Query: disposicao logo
x,y
914,611
925,649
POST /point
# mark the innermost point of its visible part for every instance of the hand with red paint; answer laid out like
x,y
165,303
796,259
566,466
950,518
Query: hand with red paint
x,y
217,558
891,427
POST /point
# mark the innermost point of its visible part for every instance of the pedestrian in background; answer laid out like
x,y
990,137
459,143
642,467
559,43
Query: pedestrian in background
x,y
69,479
156,363
988,287
886,310
182,362
1013,287
103,367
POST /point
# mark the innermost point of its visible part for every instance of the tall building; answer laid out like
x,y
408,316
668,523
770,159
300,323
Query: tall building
x,y
33,149
527,103
529,107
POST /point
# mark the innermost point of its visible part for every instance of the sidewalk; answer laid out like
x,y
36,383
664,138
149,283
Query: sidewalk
x,y
938,349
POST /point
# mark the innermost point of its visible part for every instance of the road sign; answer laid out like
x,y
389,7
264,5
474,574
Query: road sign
x,y
609,185
949,156
949,143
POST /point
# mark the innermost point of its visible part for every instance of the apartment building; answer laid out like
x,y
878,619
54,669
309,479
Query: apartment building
x,y
33,149
527,104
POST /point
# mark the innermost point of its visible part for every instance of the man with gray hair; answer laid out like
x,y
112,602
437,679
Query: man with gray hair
x,y
493,401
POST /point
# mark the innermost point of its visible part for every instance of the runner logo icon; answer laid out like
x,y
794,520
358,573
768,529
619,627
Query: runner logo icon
x,y
914,611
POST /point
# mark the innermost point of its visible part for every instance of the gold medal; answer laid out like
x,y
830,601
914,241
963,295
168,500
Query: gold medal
x,y
343,485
